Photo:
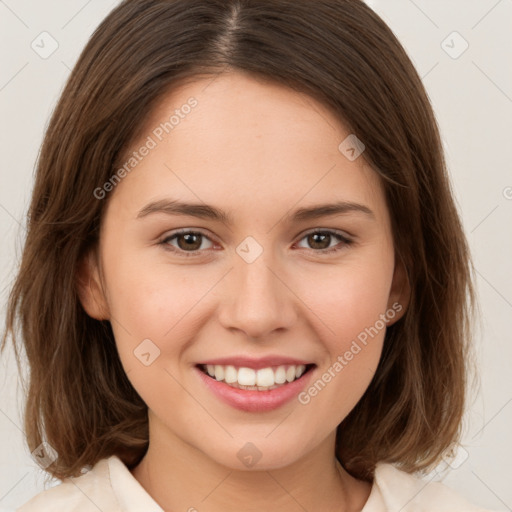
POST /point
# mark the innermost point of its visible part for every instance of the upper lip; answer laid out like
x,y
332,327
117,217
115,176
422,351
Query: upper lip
x,y
256,363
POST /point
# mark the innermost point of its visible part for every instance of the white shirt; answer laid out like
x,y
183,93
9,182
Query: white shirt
x,y
110,487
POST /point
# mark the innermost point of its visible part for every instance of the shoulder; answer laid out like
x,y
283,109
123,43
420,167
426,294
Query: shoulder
x,y
88,492
109,485
406,492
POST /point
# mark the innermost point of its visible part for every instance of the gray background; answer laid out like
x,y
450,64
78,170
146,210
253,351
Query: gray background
x,y
471,92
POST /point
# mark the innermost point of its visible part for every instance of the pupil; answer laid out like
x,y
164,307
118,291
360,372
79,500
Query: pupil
x,y
190,238
315,237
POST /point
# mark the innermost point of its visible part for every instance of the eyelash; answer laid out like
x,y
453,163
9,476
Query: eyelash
x,y
165,242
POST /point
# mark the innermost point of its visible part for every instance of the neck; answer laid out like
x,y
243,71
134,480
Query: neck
x,y
178,476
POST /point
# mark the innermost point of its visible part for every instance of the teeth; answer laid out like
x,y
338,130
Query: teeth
x,y
248,378
290,374
219,372
230,374
265,377
280,375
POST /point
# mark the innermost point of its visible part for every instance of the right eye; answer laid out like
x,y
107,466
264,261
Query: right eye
x,y
188,242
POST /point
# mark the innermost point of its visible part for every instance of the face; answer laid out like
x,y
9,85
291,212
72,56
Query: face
x,y
257,270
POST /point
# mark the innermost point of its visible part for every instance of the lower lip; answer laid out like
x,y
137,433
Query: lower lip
x,y
256,401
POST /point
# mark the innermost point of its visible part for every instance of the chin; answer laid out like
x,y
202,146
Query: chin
x,y
256,455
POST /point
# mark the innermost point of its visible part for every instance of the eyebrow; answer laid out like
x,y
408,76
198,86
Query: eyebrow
x,y
205,211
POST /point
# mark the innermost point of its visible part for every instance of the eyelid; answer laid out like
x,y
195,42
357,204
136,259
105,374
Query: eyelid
x,y
185,231
344,238
339,232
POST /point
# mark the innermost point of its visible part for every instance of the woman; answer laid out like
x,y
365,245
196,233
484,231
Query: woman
x,y
245,281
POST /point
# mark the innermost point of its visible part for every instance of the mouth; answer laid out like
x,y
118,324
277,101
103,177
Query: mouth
x,y
250,379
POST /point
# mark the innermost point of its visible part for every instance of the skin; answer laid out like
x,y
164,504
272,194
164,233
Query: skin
x,y
258,151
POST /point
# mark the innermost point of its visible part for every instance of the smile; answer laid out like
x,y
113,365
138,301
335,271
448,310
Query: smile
x,y
262,379
255,391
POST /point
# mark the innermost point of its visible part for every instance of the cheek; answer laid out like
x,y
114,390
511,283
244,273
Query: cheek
x,y
155,302
350,297
349,307
153,310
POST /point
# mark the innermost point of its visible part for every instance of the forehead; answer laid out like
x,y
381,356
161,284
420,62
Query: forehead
x,y
218,138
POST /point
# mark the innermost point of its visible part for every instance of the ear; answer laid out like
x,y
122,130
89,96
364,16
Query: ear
x,y
90,289
400,292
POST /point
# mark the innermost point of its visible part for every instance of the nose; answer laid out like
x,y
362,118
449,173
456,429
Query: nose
x,y
257,299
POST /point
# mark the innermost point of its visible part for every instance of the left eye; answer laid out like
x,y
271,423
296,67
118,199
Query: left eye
x,y
316,238
190,243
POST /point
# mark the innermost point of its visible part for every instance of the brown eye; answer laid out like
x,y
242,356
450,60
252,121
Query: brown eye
x,y
320,241
190,242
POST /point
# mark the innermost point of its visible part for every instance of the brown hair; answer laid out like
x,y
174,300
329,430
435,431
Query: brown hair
x,y
341,53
